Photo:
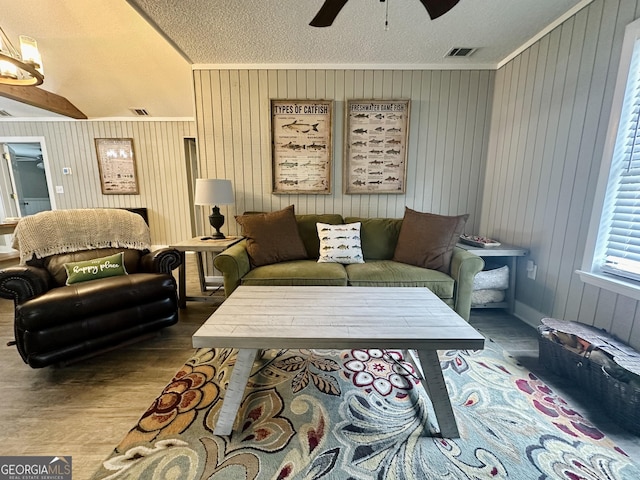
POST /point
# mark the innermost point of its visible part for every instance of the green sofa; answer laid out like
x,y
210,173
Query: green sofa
x,y
378,237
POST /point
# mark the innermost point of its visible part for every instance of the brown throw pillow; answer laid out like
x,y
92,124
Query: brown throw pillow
x,y
427,240
272,237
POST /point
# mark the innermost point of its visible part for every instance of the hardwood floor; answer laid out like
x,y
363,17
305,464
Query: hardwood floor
x,y
83,410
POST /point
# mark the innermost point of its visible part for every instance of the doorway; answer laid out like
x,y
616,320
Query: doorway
x,y
25,185
191,157
24,179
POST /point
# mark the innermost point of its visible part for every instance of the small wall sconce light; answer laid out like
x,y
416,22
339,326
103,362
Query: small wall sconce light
x,y
214,191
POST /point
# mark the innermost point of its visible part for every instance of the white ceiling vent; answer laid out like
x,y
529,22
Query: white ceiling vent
x,y
141,112
460,52
4,113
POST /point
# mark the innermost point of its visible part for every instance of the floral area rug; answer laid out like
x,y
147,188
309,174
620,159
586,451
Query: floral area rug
x,y
362,414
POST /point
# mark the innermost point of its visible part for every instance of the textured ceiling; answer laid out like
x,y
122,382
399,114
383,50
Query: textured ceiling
x,y
107,56
259,31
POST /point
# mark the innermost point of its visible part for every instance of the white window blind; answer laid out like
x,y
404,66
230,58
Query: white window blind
x,y
621,213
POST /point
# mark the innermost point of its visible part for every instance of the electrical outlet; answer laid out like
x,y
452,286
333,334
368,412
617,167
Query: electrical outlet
x,y
59,189
66,170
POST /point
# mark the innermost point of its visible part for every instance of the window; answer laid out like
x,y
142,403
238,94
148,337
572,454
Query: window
x,y
612,254
620,245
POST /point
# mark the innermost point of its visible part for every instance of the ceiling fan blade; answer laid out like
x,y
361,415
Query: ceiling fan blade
x,y
437,8
328,13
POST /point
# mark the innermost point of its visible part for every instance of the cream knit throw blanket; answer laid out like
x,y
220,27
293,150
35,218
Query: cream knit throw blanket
x,y
62,231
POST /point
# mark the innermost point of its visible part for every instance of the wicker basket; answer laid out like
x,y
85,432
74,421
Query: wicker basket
x,y
621,400
622,403
557,359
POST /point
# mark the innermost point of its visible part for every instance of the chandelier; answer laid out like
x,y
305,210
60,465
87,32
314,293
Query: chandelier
x,y
22,68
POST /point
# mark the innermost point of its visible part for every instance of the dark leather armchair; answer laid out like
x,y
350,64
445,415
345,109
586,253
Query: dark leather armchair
x,y
59,323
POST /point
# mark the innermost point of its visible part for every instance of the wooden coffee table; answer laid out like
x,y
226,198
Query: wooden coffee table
x,y
412,319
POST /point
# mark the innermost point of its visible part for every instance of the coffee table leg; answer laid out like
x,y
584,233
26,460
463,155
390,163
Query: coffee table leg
x,y
235,391
437,389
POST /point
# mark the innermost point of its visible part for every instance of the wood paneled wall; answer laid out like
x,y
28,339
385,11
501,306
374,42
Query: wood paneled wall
x,y
450,112
160,159
550,116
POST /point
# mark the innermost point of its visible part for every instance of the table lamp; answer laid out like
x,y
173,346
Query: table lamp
x,y
214,191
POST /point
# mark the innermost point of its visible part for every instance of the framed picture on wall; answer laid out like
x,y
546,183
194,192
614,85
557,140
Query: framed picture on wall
x,y
376,146
301,146
117,166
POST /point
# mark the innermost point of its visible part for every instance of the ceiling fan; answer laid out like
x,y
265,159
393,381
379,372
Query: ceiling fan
x,y
330,9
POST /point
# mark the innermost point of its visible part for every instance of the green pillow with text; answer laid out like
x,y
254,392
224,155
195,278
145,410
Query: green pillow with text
x,y
110,266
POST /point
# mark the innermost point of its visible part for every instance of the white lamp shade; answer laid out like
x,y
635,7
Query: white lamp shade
x,y
213,191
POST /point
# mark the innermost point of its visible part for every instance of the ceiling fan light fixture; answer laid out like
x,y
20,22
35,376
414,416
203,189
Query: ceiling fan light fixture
x,y
22,68
437,8
331,8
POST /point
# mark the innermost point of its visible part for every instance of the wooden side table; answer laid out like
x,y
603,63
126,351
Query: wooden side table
x,y
507,256
199,246
7,228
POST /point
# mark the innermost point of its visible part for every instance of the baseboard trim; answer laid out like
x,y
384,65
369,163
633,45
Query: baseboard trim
x,y
528,315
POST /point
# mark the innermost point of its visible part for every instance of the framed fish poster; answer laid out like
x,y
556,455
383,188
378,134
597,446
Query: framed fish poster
x,y
117,166
301,145
376,146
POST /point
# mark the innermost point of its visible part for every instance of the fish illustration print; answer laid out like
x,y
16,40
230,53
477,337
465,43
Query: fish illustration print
x,y
286,181
288,164
293,146
300,127
316,146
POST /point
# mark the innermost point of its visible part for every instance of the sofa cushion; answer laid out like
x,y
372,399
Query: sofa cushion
x,y
378,236
297,272
272,237
427,240
340,243
387,273
55,263
309,233
102,267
